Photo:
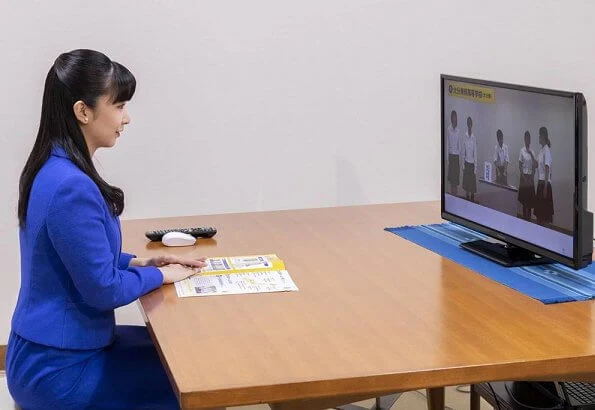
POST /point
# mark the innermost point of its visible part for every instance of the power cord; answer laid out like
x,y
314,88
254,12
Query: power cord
x,y
495,396
463,388
426,397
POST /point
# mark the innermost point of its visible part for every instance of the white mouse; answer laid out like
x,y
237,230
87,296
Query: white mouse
x,y
178,239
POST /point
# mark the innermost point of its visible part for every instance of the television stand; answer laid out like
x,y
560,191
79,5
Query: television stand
x,y
505,254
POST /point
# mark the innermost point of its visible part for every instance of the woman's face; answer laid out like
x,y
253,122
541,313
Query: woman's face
x,y
527,140
105,123
541,140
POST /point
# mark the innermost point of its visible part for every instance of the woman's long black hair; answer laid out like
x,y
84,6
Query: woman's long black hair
x,y
83,75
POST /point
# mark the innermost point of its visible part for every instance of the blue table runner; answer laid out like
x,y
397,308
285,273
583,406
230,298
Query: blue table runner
x,y
551,283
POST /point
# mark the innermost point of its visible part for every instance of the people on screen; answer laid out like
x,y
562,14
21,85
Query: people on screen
x,y
534,197
501,159
544,203
454,151
469,154
527,166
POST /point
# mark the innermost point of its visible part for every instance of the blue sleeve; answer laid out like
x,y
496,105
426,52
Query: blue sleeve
x,y
124,261
76,226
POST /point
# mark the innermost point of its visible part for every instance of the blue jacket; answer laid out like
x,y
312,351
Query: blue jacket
x,y
73,274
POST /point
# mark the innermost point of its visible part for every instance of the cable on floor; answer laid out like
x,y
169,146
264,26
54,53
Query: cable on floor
x,y
426,397
495,395
463,388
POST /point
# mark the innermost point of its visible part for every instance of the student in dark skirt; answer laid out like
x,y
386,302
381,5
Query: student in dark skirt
x,y
469,154
454,151
527,166
544,202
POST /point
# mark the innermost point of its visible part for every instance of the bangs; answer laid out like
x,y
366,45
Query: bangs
x,y
123,84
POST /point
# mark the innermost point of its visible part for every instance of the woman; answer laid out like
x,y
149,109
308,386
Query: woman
x,y
544,202
527,165
64,350
469,154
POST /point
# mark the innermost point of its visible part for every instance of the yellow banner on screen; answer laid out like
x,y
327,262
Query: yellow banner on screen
x,y
471,92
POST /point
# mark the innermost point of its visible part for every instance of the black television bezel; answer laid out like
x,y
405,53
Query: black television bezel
x,y
580,175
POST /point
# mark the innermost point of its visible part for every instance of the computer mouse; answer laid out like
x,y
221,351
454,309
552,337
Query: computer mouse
x,y
178,239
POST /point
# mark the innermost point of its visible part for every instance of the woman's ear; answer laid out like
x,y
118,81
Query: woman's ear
x,y
81,112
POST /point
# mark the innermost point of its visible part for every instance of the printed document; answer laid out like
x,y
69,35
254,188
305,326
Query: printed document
x,y
237,283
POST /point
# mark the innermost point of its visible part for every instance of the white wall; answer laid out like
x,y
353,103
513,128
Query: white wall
x,y
269,104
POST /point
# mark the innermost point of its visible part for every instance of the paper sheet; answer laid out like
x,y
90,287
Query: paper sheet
x,y
234,284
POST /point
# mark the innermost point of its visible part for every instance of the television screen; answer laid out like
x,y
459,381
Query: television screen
x,y
509,160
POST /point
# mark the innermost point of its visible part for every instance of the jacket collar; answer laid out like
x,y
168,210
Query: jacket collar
x,y
58,151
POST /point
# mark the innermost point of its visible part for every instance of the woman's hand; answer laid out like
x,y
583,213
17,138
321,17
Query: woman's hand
x,y
176,272
175,269
172,267
164,260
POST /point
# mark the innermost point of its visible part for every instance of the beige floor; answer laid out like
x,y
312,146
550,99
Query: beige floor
x,y
408,401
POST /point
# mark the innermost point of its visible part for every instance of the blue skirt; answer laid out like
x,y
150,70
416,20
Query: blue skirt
x,y
454,169
469,181
124,375
544,207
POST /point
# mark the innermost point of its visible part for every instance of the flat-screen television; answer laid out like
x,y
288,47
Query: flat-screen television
x,y
514,167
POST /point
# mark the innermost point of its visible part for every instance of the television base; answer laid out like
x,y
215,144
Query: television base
x,y
505,254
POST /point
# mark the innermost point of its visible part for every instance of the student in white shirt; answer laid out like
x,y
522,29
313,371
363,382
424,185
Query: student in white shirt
x,y
544,202
527,166
469,154
454,150
501,159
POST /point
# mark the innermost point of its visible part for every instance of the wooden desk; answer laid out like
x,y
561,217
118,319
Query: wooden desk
x,y
374,314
